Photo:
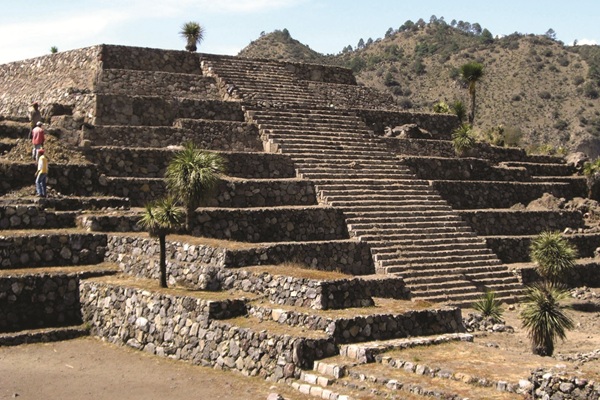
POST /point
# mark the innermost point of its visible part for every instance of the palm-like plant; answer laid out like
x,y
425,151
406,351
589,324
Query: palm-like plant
x,y
458,107
544,318
192,175
193,33
161,218
554,256
463,139
489,306
471,73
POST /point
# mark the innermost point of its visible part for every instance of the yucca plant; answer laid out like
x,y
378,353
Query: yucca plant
x,y
544,318
161,218
489,306
193,33
458,107
471,73
191,177
553,255
463,139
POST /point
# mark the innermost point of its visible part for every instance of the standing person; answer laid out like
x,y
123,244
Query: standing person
x,y
41,175
37,139
35,116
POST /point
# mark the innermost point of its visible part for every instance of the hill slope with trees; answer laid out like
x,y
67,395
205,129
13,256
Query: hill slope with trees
x,y
543,94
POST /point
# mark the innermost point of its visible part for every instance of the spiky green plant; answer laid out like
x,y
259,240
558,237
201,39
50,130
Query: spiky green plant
x,y
544,318
489,306
192,175
471,73
591,168
553,255
193,33
463,139
441,108
458,107
161,218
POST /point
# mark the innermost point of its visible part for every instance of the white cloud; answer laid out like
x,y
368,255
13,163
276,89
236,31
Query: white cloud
x,y
586,41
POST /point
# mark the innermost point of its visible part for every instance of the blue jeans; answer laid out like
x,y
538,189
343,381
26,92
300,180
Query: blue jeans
x,y
40,184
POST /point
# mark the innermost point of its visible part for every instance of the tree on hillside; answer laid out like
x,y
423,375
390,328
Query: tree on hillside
x,y
471,73
161,218
193,34
553,255
191,177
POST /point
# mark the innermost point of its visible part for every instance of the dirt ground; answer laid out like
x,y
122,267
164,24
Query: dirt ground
x,y
88,368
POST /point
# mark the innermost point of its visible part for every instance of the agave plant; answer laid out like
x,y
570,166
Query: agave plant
x,y
489,306
192,176
463,139
544,318
554,256
161,218
193,33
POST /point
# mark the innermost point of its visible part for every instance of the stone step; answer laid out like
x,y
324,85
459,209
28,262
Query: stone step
x,y
366,186
45,335
305,112
542,169
417,238
424,200
387,253
324,139
415,206
441,242
397,229
495,276
382,223
453,252
436,259
318,162
325,147
350,170
425,267
300,123
438,269
355,174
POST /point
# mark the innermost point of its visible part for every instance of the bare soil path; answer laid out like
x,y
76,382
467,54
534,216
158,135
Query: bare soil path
x,y
88,368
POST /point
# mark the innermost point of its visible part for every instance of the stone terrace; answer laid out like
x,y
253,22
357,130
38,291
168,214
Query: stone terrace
x,y
319,211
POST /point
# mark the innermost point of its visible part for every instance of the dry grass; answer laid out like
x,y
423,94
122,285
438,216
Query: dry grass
x,y
67,269
153,286
275,328
297,271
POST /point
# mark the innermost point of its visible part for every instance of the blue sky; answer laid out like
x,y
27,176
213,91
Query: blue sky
x,y
29,28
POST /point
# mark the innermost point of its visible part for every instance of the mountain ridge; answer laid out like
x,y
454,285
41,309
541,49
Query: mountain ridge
x,y
534,86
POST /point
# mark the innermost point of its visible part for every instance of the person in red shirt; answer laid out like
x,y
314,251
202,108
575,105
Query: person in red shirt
x,y
37,139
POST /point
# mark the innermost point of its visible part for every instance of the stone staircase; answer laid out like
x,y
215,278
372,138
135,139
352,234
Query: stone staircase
x,y
411,230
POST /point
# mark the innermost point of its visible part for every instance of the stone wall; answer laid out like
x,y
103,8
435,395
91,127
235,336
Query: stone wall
x,y
270,224
39,301
71,179
550,385
439,125
482,194
520,222
463,169
352,96
65,78
205,134
179,327
229,193
156,83
33,217
374,327
51,249
115,109
148,59
201,266
516,249
139,162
